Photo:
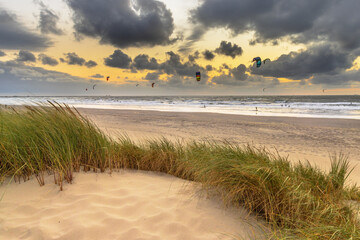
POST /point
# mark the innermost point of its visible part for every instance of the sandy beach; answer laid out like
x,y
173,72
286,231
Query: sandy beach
x,y
301,139
123,205
144,205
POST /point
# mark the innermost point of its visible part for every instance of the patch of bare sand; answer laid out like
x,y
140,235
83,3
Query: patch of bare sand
x,y
124,205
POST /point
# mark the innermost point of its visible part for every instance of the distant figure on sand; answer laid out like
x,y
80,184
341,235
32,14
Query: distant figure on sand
x,y
256,109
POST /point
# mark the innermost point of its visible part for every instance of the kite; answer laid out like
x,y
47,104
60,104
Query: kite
x,y
268,59
107,78
198,76
94,86
152,85
258,61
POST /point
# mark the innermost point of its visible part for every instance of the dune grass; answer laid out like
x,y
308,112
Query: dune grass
x,y
298,201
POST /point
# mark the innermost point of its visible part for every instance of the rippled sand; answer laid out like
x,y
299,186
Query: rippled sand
x,y
124,205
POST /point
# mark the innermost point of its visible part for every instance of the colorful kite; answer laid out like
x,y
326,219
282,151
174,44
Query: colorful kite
x,y
198,76
268,59
258,61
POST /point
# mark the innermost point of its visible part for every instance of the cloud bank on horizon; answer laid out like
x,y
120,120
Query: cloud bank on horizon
x,y
325,35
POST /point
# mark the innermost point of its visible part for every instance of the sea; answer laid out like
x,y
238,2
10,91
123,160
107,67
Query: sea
x,y
324,106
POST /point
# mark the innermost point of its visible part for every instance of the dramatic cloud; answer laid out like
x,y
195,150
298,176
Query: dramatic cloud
x,y
2,53
46,60
226,48
123,23
176,67
343,78
74,59
208,55
19,78
15,36
25,56
236,76
118,59
272,20
90,64
48,22
340,24
239,72
318,59
143,61
152,76
97,76
193,57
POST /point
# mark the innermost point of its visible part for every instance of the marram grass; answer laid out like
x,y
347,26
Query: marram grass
x,y
298,201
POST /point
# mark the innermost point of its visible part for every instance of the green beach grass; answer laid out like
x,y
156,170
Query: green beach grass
x,y
299,201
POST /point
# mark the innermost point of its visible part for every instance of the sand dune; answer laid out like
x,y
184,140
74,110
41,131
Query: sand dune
x,y
141,205
124,205
312,139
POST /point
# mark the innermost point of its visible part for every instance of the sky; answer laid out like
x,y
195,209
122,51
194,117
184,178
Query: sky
x,y
63,47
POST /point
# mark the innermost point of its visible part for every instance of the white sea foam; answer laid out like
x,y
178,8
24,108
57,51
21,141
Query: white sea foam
x,y
292,106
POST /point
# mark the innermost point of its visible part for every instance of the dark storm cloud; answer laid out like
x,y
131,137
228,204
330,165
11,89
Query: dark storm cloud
x,y
118,59
231,14
227,49
300,21
97,76
248,81
174,66
21,79
48,22
15,36
123,23
74,59
194,56
25,56
152,76
239,72
318,59
236,76
344,78
270,19
91,64
339,24
222,67
46,60
143,61
2,53
225,79
208,55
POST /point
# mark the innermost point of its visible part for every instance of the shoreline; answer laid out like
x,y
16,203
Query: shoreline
x,y
226,113
309,116
111,108
210,113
